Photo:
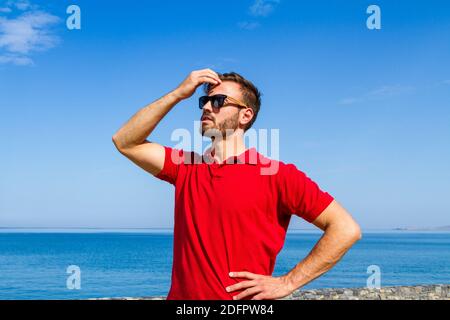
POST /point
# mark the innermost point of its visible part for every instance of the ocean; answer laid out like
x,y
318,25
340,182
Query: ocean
x,y
34,264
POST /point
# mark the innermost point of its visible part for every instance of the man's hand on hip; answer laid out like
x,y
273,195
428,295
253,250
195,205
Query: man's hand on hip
x,y
262,287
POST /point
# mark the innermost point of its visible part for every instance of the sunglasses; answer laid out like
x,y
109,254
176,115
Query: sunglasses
x,y
218,101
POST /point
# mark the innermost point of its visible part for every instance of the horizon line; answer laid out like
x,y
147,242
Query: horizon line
x,y
171,228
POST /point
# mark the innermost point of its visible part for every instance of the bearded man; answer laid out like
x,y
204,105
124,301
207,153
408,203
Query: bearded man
x,y
233,205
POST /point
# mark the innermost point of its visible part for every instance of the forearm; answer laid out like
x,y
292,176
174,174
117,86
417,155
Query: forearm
x,y
142,124
331,247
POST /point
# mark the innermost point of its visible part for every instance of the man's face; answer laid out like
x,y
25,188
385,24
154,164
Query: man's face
x,y
217,122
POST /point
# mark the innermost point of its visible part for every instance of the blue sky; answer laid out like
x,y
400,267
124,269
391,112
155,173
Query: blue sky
x,y
365,113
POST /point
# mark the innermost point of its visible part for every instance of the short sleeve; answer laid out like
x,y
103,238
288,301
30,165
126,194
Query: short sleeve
x,y
300,195
172,161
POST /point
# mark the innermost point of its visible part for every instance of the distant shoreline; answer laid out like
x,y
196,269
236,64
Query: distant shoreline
x,y
439,228
442,228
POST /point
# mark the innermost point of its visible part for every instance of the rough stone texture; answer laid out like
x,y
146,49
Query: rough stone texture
x,y
428,292
425,292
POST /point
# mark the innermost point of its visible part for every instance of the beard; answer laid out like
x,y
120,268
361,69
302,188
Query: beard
x,y
222,129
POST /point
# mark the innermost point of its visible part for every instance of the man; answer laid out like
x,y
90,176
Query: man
x,y
230,217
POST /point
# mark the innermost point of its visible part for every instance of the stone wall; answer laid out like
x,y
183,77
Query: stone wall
x,y
428,292
425,292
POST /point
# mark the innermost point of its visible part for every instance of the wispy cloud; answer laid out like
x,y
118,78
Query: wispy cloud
x,y
346,101
15,59
262,8
220,64
246,25
390,90
382,92
446,82
21,4
259,9
17,4
27,32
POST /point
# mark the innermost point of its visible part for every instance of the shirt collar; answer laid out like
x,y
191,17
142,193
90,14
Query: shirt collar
x,y
249,156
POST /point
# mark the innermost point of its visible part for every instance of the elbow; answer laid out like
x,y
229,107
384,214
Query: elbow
x,y
116,142
349,231
355,232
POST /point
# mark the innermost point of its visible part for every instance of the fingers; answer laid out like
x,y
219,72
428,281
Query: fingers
x,y
259,296
209,79
241,285
261,286
251,285
247,293
244,274
187,88
209,73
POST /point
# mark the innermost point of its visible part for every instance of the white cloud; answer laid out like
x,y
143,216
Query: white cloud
x,y
26,33
248,25
15,59
262,8
19,4
22,5
446,82
259,9
5,10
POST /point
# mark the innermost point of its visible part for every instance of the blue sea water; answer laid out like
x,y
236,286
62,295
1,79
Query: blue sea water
x,y
33,265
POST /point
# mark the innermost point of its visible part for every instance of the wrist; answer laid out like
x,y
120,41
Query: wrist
x,y
290,283
176,95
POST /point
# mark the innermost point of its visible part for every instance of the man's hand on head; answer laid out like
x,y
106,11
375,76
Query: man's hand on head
x,y
195,79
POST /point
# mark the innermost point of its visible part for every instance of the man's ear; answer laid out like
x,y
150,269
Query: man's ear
x,y
247,116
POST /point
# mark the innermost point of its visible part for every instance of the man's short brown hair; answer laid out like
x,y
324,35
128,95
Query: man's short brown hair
x,y
250,94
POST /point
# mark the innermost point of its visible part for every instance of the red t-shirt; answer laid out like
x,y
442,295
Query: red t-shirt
x,y
232,216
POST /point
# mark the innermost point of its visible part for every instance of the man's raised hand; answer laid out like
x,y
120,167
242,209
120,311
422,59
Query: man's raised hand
x,y
195,79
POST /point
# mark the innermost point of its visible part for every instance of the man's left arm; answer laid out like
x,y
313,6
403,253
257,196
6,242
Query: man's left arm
x,y
340,233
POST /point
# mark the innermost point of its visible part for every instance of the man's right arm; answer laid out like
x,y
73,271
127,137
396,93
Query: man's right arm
x,y
130,139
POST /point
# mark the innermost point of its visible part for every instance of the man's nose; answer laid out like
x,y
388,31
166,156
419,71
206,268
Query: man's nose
x,y
207,107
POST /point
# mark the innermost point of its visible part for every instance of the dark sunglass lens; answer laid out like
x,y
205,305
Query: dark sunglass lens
x,y
219,100
216,102
202,101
